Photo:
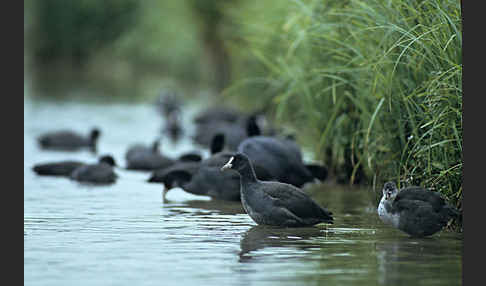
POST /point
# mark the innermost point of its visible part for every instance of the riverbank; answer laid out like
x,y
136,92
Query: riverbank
x,y
373,88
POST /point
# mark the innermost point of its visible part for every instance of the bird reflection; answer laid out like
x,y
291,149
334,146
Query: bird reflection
x,y
213,206
262,236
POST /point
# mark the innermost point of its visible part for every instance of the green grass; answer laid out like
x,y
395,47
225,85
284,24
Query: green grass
x,y
372,85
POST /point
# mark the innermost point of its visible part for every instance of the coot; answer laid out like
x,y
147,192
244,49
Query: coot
x,y
275,203
280,157
68,140
64,168
234,133
100,173
414,210
204,178
146,158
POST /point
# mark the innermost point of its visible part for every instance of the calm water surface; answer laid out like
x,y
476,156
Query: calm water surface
x,y
126,234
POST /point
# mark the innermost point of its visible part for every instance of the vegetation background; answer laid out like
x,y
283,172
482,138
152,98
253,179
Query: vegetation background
x,y
374,88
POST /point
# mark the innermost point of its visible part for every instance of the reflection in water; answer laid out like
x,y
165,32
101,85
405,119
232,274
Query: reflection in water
x,y
212,206
260,236
402,255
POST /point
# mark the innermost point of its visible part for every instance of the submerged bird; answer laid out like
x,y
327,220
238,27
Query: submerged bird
x,y
68,140
100,173
275,203
414,210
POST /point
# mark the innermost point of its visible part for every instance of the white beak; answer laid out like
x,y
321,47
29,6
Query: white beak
x,y
228,165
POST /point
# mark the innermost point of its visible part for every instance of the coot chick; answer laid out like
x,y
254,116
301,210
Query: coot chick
x,y
100,173
414,210
280,157
146,158
67,140
275,203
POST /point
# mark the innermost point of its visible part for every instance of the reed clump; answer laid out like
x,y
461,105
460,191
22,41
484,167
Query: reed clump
x,y
374,88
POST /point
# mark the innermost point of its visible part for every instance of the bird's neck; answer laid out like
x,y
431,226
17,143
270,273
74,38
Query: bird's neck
x,y
247,174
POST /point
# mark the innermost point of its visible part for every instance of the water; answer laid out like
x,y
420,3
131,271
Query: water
x,y
126,234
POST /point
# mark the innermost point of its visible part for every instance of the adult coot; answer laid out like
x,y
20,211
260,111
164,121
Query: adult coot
x,y
100,173
275,203
146,158
414,210
234,132
68,140
204,178
63,168
185,167
221,113
280,157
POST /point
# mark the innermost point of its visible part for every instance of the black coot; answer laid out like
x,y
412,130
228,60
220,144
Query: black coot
x,y
205,177
67,140
234,132
146,158
275,203
280,157
100,173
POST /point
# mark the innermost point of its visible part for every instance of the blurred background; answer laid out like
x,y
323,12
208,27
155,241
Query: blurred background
x,y
372,89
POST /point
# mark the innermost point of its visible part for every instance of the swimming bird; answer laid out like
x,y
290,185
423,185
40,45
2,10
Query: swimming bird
x,y
99,173
62,168
414,210
275,203
146,158
68,140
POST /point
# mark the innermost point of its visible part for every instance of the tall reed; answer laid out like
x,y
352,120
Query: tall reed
x,y
374,88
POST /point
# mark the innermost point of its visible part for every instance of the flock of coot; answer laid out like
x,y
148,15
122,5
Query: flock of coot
x,y
248,162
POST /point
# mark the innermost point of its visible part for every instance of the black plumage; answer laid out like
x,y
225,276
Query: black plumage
x,y
279,157
99,173
67,140
275,203
146,158
415,210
